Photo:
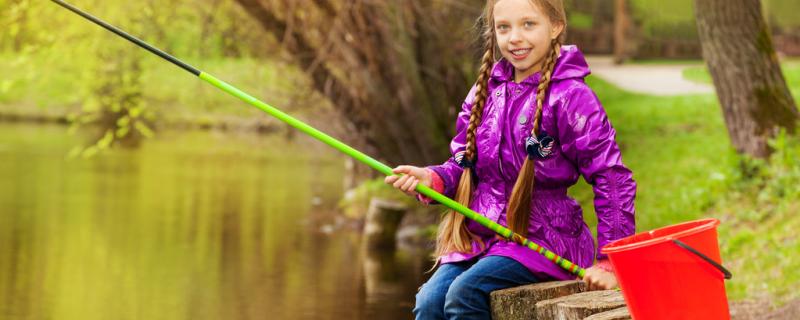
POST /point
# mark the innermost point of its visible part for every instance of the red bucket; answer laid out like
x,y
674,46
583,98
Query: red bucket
x,y
672,272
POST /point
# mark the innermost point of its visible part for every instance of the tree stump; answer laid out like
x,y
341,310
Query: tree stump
x,y
580,305
520,302
616,314
383,218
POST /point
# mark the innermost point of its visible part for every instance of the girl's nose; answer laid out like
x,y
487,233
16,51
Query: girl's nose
x,y
515,36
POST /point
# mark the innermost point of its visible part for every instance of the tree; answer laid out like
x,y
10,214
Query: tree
x,y
396,70
737,47
623,24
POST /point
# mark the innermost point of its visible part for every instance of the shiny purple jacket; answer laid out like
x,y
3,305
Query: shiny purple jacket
x,y
585,145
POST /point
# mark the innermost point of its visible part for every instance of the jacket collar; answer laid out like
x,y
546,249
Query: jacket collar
x,y
570,64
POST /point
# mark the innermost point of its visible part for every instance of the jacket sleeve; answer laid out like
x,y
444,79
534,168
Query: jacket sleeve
x,y
588,140
449,171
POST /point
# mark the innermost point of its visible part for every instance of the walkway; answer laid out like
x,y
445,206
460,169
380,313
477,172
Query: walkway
x,y
660,80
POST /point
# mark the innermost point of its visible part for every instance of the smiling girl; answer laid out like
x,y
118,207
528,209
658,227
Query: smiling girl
x,y
527,130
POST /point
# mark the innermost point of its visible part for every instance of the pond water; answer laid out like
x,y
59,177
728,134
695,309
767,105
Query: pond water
x,y
190,225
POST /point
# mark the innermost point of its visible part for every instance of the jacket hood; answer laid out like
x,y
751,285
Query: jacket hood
x,y
570,64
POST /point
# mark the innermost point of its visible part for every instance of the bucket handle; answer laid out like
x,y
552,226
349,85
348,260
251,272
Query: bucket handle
x,y
719,267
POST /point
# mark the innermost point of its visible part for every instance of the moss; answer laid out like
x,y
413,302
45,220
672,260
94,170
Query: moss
x,y
764,41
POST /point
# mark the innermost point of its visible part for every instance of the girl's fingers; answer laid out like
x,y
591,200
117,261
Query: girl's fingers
x,y
402,169
407,186
400,182
414,188
590,281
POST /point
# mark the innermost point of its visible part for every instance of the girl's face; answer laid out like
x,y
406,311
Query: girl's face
x,y
524,33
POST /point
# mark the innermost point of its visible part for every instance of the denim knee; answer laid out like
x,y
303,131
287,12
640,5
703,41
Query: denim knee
x,y
429,303
466,298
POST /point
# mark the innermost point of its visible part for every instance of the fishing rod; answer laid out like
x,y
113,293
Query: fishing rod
x,y
338,145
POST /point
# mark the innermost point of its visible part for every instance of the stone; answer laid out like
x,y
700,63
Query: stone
x,y
383,219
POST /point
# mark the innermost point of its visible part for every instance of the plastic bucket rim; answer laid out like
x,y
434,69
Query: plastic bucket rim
x,y
702,225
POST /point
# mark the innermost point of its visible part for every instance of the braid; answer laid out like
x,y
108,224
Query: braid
x,y
482,87
453,235
544,84
519,204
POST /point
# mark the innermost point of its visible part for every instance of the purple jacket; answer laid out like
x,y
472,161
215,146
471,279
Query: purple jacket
x,y
585,145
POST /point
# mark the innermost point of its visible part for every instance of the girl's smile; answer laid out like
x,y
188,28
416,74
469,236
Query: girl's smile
x,y
520,54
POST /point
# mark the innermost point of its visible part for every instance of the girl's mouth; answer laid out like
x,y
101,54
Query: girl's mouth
x,y
520,54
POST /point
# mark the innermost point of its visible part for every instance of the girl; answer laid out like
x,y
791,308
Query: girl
x,y
528,128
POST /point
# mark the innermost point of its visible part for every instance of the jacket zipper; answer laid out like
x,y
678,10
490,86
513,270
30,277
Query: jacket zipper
x,y
502,128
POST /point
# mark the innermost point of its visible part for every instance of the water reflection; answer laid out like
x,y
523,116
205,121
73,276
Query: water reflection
x,y
192,225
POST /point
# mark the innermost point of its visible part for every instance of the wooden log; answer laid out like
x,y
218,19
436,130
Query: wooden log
x,y
520,302
383,219
580,305
616,314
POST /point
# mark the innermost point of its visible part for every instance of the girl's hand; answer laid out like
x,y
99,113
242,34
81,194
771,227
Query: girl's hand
x,y
598,279
408,182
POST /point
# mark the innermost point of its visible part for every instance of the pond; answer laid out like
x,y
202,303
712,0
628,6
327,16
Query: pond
x,y
190,225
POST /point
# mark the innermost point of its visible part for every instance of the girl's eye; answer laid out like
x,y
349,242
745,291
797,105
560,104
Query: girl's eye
x,y
529,24
502,27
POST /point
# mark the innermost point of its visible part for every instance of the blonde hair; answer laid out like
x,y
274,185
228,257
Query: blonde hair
x,y
453,235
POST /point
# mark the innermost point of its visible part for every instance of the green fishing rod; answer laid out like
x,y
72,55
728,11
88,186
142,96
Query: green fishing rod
x,y
338,145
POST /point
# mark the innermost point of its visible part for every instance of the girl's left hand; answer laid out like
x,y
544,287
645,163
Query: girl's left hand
x,y
598,279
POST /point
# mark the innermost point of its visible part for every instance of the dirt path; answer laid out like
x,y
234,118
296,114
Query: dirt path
x,y
660,80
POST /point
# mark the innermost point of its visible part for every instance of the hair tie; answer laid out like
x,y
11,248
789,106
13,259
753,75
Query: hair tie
x,y
539,147
462,161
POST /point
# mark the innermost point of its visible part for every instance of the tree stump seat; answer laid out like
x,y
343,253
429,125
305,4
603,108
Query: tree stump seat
x,y
563,300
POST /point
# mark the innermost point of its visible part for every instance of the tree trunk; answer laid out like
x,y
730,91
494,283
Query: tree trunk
x,y
622,24
394,69
737,47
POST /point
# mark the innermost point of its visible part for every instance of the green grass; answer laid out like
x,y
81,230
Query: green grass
x,y
790,68
677,148
783,12
758,235
677,18
580,21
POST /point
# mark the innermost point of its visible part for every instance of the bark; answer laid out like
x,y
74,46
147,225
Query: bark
x,y
738,50
396,70
520,302
616,314
622,32
580,305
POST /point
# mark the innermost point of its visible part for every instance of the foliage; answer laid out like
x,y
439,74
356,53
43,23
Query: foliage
x,y
60,63
115,106
759,213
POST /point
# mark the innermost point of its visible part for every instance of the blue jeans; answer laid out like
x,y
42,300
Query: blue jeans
x,y
461,290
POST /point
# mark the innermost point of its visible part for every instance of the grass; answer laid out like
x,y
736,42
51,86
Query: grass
x,y
758,234
677,148
790,68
